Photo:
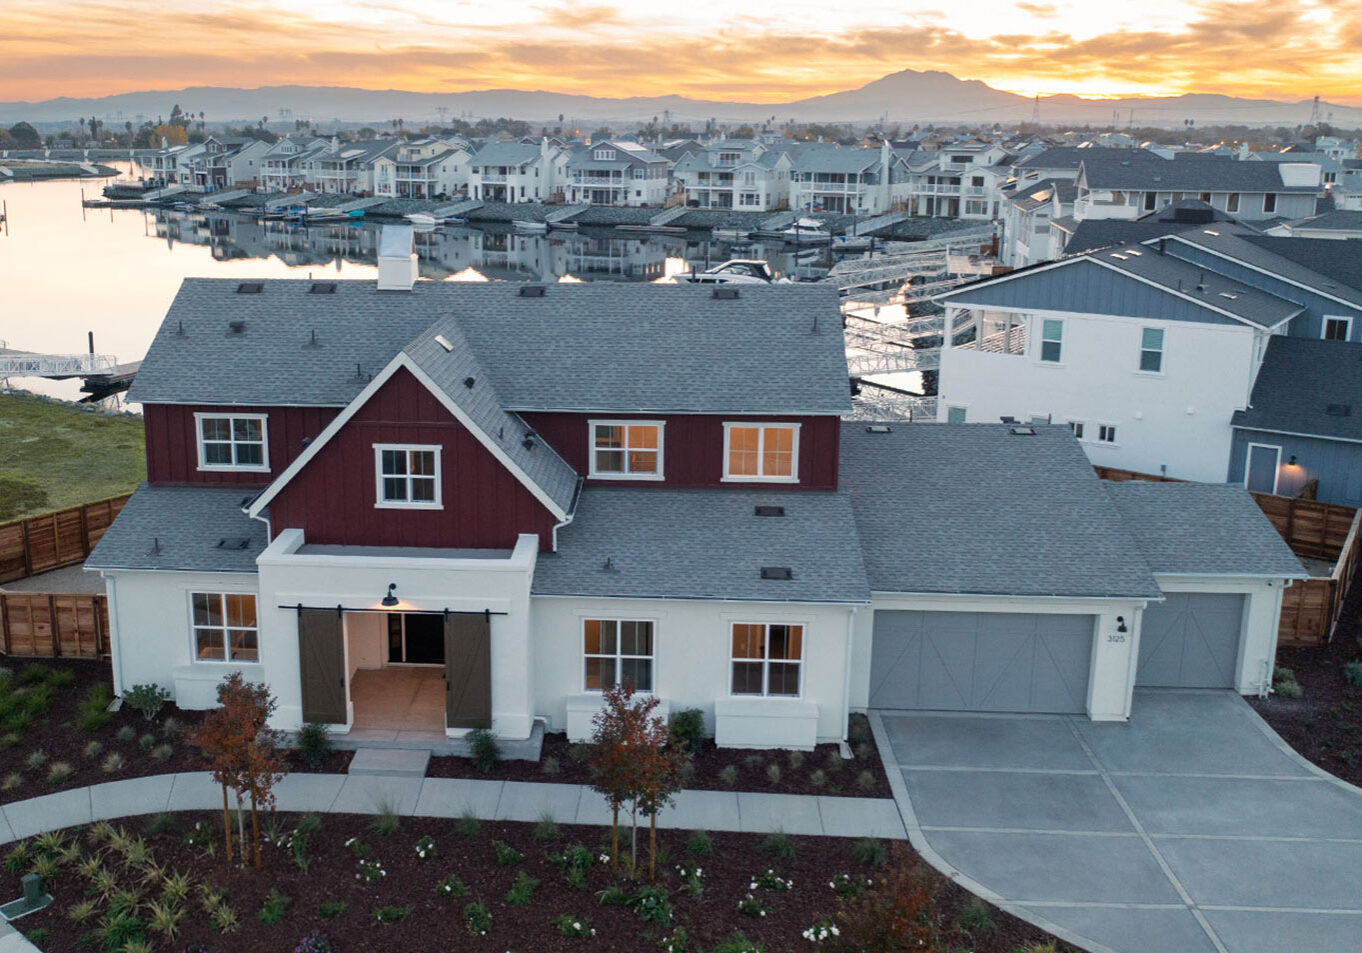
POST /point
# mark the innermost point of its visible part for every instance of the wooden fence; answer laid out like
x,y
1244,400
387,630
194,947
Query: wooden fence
x,y
54,540
54,625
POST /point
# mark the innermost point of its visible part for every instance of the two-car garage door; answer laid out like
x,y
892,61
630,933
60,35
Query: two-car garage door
x,y
981,661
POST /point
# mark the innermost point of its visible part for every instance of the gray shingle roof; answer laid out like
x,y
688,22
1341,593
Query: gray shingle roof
x,y
505,153
450,369
1210,174
581,347
836,159
972,508
1071,157
1327,265
706,544
1340,220
188,522
1299,380
1203,529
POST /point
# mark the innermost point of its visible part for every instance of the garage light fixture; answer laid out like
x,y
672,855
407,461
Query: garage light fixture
x,y
1121,624
390,600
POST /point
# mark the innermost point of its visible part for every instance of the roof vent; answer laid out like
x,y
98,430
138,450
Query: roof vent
x,y
777,572
1339,410
528,440
764,510
878,428
236,326
234,542
443,341
250,288
1008,420
725,294
1022,431
531,291
469,382
322,288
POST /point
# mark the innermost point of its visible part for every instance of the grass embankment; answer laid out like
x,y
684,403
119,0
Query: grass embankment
x,y
55,454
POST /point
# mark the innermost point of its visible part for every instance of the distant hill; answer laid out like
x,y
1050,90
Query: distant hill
x,y
904,97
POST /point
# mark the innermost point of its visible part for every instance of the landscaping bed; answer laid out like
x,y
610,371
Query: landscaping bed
x,y
821,771
1324,723
360,873
70,741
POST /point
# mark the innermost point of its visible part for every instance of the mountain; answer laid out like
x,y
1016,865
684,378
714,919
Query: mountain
x,y
904,97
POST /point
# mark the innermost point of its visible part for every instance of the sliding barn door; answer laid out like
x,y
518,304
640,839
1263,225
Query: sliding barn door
x,y
321,659
468,671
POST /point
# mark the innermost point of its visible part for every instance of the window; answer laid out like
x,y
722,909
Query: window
x,y
626,448
225,628
1149,199
1106,433
1077,427
761,452
232,442
1269,203
617,650
767,658
408,477
1051,340
955,415
1337,329
1151,350
1232,202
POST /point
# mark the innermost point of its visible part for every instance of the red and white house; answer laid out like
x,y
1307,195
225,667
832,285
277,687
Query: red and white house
x,y
536,492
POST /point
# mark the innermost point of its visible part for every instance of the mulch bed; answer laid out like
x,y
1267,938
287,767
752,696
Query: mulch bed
x,y
437,923
1325,723
60,739
821,771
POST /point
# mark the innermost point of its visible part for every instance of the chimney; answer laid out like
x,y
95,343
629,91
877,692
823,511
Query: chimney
x,y
1243,150
396,258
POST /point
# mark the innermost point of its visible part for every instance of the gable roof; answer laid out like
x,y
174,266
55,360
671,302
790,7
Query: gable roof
x,y
179,528
506,153
581,347
1071,157
1327,266
1208,174
1203,529
1299,380
1046,528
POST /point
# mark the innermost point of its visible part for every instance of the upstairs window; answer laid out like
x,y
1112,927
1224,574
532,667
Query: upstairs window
x,y
626,449
766,452
1269,203
767,659
1051,340
1337,329
1232,202
1106,433
1151,350
408,476
225,627
232,442
603,155
616,651
1150,198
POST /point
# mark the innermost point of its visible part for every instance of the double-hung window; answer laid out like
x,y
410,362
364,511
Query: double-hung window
x,y
1269,203
1151,350
1337,329
1106,433
767,658
617,651
766,452
626,449
225,627
232,442
1051,340
407,476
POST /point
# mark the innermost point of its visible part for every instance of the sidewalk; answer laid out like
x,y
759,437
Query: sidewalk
x,y
743,811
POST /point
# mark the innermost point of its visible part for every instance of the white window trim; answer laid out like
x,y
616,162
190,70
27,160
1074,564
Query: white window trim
x,y
1163,341
1276,469
766,659
1345,318
204,465
618,620
1273,210
221,596
1097,436
1041,342
1077,427
382,504
761,445
595,474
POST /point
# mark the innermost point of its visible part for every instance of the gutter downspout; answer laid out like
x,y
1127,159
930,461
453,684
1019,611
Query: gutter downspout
x,y
846,679
572,512
115,643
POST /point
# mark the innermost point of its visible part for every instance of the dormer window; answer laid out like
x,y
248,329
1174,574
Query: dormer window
x,y
626,449
763,452
232,442
407,476
604,155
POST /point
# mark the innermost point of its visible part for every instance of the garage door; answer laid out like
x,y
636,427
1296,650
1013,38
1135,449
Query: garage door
x,y
1191,641
981,661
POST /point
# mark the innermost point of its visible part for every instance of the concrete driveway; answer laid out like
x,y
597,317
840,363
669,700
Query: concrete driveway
x,y
1191,828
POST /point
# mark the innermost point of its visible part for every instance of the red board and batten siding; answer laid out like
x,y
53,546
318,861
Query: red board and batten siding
x,y
173,450
332,498
693,447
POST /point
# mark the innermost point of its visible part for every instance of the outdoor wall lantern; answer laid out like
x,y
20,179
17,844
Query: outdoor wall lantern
x,y
1292,461
1121,624
390,600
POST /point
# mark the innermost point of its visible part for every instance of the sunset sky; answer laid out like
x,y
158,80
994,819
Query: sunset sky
x,y
759,51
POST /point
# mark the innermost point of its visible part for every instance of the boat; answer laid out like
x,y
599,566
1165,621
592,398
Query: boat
x,y
660,229
529,225
806,230
355,213
421,218
730,230
736,271
564,226
850,243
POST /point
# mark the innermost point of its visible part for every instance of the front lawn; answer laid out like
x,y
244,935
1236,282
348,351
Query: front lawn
x,y
353,883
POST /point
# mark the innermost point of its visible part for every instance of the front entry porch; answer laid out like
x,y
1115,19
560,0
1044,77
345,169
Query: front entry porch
x,y
395,703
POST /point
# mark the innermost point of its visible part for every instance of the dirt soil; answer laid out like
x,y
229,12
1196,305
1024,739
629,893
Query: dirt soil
x,y
1325,723
437,923
860,776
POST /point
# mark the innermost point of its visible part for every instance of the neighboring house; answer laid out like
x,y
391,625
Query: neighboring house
x,y
164,166
1113,187
1347,192
225,164
653,483
957,180
518,172
286,165
1027,214
1336,225
616,172
735,174
347,168
1303,422
847,181
1070,237
423,169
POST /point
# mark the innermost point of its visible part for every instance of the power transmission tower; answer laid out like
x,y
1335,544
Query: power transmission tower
x,y
1035,111
1314,112
442,112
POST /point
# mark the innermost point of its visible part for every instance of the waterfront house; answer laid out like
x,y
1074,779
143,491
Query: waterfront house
x,y
847,181
518,171
740,174
1114,187
616,172
423,169
1027,213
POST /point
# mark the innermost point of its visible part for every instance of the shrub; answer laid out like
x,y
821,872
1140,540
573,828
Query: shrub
x,y
159,824
11,739
386,822
425,847
507,856
330,909
314,942
200,836
162,752
547,828
900,910
18,858
1353,673
175,887
865,781
483,749
93,711
370,871
12,780
796,760
773,773
118,930
818,779
770,880
272,910
675,942
576,862
81,911
700,843
728,774
614,895
314,744
170,728
688,729
549,765
60,677
36,759
778,846
451,886
1284,683
835,761
573,927
391,914
739,943
469,825
147,741
94,749
163,917
975,919
868,852
848,886
33,675
126,733
752,906
858,730
653,906
114,762
864,751
522,890
148,699
477,918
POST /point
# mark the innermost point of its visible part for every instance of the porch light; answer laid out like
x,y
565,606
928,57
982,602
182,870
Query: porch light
x,y
390,600
1121,624
1292,461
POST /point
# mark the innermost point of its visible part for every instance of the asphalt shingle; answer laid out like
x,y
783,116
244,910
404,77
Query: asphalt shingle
x,y
182,528
1301,381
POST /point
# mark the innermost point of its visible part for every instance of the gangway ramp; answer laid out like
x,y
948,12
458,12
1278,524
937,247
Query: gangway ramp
x,y
668,216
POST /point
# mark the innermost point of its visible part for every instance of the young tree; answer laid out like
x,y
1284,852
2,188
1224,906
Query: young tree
x,y
659,775
610,760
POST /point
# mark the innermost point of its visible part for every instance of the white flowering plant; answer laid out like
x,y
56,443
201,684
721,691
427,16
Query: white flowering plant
x,y
451,886
425,848
849,886
690,877
357,847
675,942
770,880
752,906
574,927
370,871
821,931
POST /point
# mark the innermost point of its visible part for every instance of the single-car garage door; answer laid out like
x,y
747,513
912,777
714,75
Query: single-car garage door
x,y
1191,640
981,661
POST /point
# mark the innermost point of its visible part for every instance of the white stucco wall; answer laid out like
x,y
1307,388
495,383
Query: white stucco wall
x,y
1178,419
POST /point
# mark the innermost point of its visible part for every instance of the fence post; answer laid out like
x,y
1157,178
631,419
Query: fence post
x,y
28,553
84,530
52,625
4,624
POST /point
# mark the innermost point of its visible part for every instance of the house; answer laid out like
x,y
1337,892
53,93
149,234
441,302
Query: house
x,y
354,482
957,180
846,181
1111,187
286,165
616,172
163,166
1336,225
225,164
518,172
1027,212
347,168
423,169
736,174
1071,237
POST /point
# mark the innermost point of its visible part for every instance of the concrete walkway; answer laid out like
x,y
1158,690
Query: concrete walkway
x,y
1192,828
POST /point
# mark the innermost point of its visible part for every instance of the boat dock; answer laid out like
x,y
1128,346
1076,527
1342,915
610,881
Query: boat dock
x,y
101,375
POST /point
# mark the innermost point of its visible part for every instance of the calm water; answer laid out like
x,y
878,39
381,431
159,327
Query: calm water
x,y
66,271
